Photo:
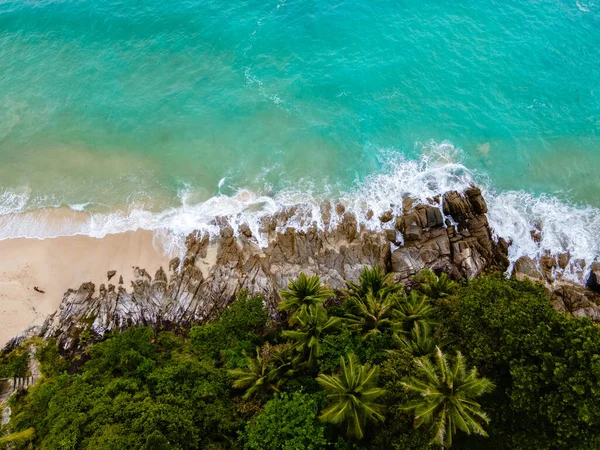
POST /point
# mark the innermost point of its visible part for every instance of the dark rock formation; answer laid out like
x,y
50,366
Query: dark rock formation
x,y
593,281
451,235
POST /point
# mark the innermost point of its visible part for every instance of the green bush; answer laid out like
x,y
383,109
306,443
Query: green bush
x,y
144,389
288,422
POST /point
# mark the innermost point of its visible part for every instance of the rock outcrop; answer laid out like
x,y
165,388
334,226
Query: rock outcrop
x,y
576,301
448,234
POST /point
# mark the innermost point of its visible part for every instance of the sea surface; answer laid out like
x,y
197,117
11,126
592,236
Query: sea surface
x,y
118,115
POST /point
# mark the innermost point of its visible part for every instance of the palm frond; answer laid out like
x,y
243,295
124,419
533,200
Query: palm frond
x,y
443,397
18,437
352,394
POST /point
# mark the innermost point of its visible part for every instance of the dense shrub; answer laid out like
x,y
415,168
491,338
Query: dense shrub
x,y
144,389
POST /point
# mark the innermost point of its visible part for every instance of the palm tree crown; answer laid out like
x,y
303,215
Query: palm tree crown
x,y
375,313
303,294
415,309
372,280
445,397
420,343
261,376
434,286
352,395
18,437
312,325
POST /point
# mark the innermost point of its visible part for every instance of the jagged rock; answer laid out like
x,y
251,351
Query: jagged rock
x,y
593,281
110,274
325,209
476,199
547,264
390,235
527,268
577,301
121,279
198,285
245,230
536,232
386,217
435,218
563,260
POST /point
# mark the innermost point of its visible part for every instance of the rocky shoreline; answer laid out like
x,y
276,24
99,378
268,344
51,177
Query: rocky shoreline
x,y
449,234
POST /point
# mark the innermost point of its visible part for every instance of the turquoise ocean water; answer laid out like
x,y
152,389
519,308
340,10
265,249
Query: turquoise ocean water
x,y
119,114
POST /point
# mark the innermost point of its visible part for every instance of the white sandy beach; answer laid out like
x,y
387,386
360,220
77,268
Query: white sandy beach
x,y
57,264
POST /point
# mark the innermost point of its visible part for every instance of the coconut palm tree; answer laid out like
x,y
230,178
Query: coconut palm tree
x,y
373,280
302,295
262,375
415,308
18,437
445,396
420,343
434,286
352,396
374,313
312,325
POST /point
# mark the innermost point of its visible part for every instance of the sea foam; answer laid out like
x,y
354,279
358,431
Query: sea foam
x,y
513,215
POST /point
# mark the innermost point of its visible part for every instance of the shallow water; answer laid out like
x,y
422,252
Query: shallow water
x,y
165,114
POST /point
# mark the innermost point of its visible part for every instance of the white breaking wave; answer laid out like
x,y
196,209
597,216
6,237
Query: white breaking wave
x,y
512,214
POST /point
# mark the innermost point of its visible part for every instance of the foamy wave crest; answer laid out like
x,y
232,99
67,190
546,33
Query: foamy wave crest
x,y
512,215
564,228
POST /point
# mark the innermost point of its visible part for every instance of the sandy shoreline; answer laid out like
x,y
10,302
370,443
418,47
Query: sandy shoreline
x,y
57,264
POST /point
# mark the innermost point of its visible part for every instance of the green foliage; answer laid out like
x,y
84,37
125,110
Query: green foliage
x,y
416,309
132,393
434,286
288,422
14,363
145,389
262,374
52,364
420,343
311,326
19,437
398,432
239,328
303,296
375,313
445,397
372,281
352,395
546,366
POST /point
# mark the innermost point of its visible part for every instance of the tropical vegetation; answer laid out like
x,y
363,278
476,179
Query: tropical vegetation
x,y
484,363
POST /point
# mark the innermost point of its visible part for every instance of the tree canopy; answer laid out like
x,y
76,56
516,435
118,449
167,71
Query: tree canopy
x,y
326,379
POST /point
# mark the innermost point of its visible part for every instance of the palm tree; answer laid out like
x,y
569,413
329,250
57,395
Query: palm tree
x,y
445,398
415,309
434,286
312,325
18,437
261,376
374,281
420,343
375,313
352,396
302,295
